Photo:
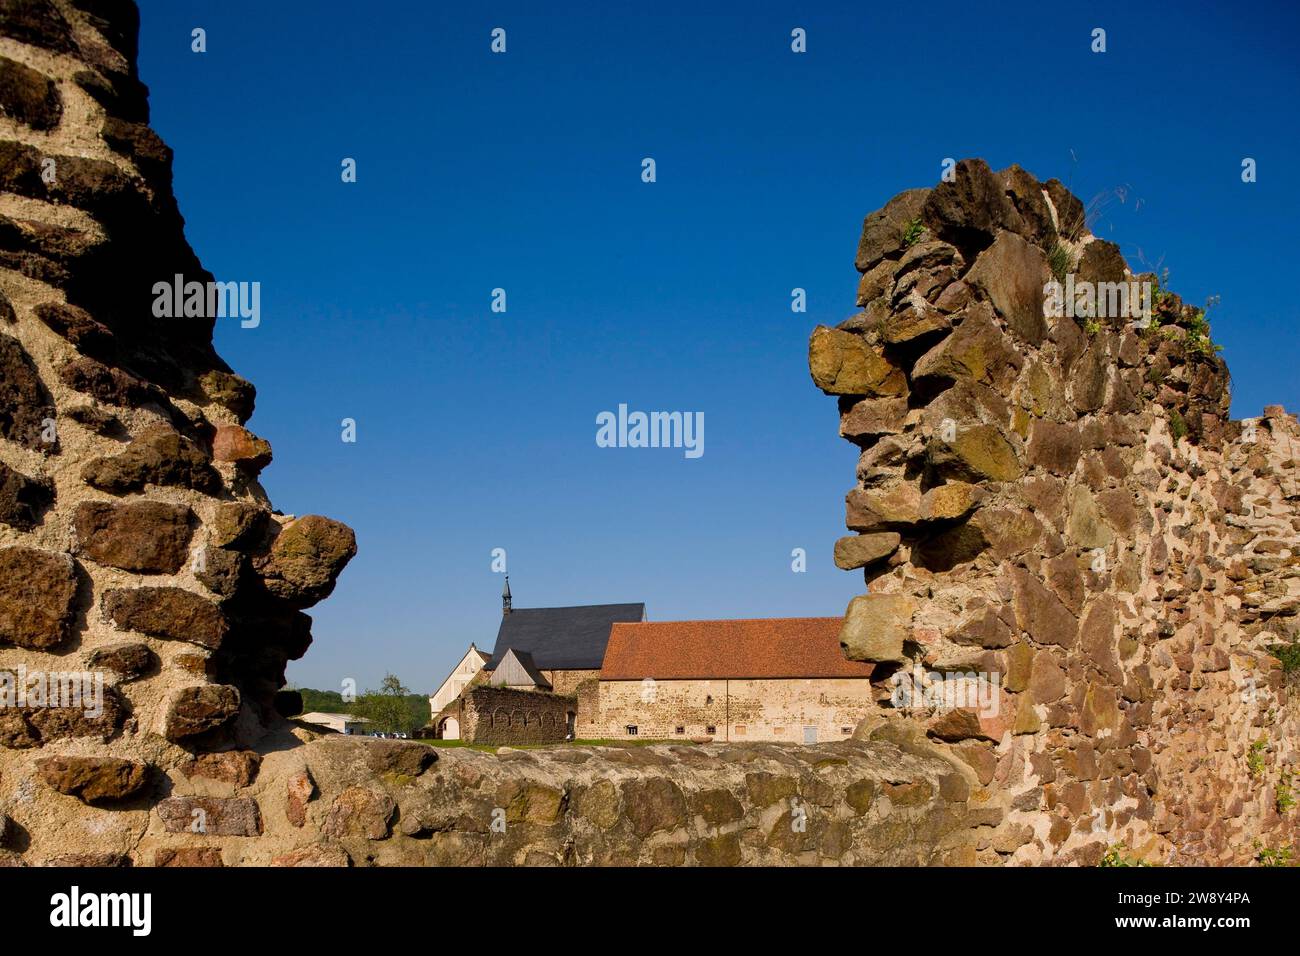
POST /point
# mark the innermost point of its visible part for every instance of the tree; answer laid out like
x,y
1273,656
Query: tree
x,y
390,708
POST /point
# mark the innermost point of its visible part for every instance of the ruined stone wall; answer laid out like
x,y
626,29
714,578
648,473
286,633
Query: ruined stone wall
x,y
1064,503
137,545
505,715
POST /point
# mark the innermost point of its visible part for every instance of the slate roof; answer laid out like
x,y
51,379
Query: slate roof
x,y
562,638
715,650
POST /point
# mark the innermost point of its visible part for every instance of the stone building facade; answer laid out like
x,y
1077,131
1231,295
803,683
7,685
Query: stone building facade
x,y
779,679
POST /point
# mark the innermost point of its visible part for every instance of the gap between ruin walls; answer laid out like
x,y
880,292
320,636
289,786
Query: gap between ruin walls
x,y
1067,505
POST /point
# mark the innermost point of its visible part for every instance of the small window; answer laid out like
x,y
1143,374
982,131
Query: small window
x,y
631,730
740,730
710,729
681,730
846,730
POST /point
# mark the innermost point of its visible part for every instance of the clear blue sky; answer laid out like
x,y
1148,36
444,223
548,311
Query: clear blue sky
x,y
477,430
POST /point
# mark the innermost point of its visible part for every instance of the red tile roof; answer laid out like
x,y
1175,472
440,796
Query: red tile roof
x,y
715,650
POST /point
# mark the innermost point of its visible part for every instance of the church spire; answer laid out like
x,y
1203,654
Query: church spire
x,y
505,597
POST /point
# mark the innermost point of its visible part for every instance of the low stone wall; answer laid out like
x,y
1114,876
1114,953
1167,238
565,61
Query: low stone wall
x,y
501,715
341,801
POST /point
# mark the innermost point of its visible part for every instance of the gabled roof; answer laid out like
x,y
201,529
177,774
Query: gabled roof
x,y
481,655
517,666
790,647
562,638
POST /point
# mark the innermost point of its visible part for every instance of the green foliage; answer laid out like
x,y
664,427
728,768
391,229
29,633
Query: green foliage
x,y
1092,326
1285,792
392,708
1177,425
913,233
323,701
1289,655
1282,856
1255,762
1197,337
1114,856
1059,261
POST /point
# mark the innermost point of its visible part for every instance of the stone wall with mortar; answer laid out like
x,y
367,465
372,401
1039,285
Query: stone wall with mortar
x,y
739,710
1065,503
505,715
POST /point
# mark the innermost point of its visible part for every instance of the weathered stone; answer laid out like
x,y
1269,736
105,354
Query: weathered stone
x,y
883,231
149,537
721,849
976,453
306,558
1102,261
94,779
872,417
860,550
1026,195
300,788
1085,526
970,209
211,816
1040,612
33,725
170,613
28,96
37,22
25,405
962,723
233,443
78,326
914,323
764,789
877,509
219,570
360,812
23,500
716,806
977,350
842,363
319,855
876,282
950,501
97,420
875,627
129,660
188,856
107,384
235,767
159,455
200,708
230,391
1054,446
38,590
652,805
1008,531
1012,272
861,794
237,523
